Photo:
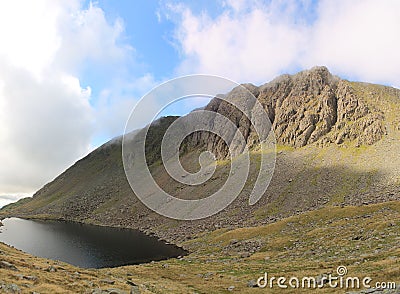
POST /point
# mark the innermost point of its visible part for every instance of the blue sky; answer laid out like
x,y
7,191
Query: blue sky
x,y
151,38
72,70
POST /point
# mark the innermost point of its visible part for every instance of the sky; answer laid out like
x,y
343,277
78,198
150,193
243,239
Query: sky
x,y
72,70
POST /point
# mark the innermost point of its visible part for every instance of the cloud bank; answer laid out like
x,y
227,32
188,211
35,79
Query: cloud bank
x,y
255,40
47,120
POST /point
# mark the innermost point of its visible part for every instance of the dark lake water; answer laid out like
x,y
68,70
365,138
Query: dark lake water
x,y
84,245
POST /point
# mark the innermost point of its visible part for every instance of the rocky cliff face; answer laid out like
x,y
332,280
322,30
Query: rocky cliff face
x,y
312,106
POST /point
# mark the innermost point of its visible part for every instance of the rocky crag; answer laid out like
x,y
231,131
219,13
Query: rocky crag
x,y
312,106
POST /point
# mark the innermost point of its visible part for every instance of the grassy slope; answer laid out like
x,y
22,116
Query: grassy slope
x,y
365,239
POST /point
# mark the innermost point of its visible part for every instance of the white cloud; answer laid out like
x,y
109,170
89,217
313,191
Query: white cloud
x,y
241,45
28,36
88,36
254,41
48,126
46,118
358,38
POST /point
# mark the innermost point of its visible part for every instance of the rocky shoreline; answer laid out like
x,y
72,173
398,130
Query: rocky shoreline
x,y
147,232
184,231
311,244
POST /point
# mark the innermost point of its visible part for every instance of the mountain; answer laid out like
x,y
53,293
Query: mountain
x,y
338,145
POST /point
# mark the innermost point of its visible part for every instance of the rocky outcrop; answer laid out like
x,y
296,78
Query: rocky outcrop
x,y
312,106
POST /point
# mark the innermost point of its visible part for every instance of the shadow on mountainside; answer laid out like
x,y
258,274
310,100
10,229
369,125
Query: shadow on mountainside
x,y
95,190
